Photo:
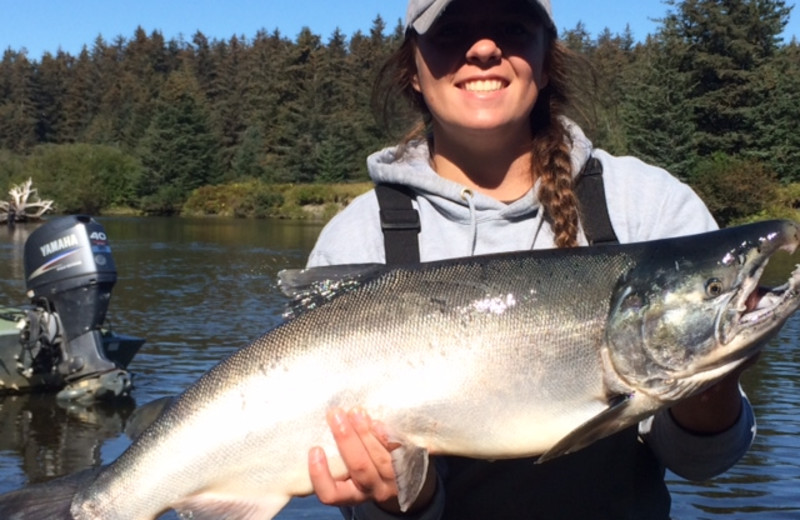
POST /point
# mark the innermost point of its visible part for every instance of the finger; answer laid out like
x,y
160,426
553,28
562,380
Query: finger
x,y
375,440
382,435
330,491
353,450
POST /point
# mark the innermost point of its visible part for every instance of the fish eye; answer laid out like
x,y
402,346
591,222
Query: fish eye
x,y
714,287
632,301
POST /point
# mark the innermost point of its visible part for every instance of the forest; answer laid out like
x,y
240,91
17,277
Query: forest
x,y
230,126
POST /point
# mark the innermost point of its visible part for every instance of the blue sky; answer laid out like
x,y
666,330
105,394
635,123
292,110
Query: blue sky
x,y
47,25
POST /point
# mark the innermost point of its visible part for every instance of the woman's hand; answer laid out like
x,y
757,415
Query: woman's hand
x,y
368,461
715,409
365,450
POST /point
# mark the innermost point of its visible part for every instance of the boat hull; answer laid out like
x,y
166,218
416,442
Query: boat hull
x,y
118,348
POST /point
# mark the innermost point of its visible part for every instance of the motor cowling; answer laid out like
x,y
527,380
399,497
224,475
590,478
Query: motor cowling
x,y
69,271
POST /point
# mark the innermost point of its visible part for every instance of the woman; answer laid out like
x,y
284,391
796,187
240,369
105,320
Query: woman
x,y
493,171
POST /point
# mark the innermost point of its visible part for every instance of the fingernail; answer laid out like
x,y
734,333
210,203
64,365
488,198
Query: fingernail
x,y
380,432
338,419
359,417
315,455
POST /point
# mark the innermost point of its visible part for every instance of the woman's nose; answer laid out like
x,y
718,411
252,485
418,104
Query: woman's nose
x,y
484,50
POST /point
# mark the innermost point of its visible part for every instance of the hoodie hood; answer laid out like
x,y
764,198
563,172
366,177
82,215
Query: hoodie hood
x,y
410,165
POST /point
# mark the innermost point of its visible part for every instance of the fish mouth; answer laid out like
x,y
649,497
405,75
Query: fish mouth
x,y
763,304
759,310
754,313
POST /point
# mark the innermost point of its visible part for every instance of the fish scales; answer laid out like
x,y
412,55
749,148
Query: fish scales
x,y
455,322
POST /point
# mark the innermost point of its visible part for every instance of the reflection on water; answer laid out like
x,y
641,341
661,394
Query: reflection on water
x,y
199,288
51,439
12,246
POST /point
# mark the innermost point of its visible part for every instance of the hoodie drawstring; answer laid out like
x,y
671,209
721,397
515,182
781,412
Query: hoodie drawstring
x,y
466,196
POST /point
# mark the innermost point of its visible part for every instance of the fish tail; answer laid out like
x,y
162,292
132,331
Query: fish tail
x,y
46,501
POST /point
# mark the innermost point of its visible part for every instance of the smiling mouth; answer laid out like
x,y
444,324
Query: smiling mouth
x,y
484,85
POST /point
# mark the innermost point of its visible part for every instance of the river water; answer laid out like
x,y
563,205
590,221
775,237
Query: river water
x,y
199,288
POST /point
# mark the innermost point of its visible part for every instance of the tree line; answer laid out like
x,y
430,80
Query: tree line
x,y
143,122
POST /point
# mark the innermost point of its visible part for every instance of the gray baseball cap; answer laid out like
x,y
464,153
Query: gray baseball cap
x,y
422,13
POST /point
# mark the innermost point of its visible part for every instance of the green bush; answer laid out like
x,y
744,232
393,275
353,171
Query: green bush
x,y
240,199
255,199
11,170
310,194
785,206
735,188
82,178
168,200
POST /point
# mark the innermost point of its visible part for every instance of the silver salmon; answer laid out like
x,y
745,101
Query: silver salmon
x,y
502,356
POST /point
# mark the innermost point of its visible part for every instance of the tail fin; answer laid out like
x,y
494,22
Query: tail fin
x,y
46,501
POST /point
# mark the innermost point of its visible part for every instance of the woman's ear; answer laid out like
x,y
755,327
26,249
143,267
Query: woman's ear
x,y
415,83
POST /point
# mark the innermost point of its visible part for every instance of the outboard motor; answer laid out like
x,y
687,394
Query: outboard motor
x,y
69,274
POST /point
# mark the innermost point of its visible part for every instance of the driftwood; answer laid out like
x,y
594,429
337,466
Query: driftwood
x,y
19,208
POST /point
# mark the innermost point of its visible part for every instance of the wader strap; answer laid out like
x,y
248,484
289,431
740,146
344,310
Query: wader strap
x,y
400,224
592,203
400,221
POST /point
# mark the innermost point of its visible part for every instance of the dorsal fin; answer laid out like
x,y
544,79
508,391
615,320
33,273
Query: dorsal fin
x,y
309,288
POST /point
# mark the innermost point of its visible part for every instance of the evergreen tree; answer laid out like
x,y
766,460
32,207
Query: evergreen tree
x,y
613,55
50,86
179,151
367,55
778,139
301,114
267,94
727,43
247,163
658,119
17,108
203,66
81,99
600,83
116,96
144,68
230,90
578,39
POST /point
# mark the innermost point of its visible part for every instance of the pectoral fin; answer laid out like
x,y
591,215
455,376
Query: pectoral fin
x,y
210,506
410,465
613,419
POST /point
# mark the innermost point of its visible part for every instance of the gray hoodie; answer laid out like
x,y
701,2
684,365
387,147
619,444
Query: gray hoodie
x,y
620,477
